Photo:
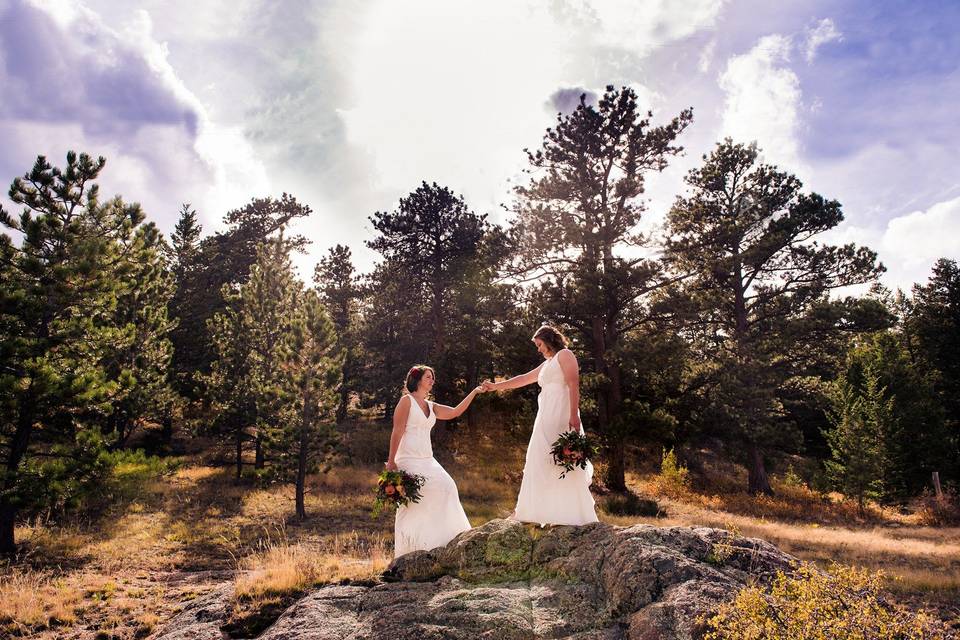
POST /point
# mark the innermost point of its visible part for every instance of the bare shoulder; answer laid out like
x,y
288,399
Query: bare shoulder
x,y
404,401
565,355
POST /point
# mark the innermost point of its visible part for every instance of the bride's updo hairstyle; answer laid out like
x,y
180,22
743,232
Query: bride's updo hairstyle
x,y
415,374
551,337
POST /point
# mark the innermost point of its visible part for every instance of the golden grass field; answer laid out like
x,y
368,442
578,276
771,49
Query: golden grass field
x,y
124,573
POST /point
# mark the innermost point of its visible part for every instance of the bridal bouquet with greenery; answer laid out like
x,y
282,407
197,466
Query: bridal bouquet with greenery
x,y
572,449
395,489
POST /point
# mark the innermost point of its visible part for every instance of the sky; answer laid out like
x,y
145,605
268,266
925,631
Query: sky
x,y
348,105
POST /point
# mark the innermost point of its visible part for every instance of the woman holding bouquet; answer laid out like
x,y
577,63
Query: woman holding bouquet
x,y
438,516
545,497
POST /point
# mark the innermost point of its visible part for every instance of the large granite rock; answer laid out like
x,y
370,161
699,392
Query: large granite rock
x,y
508,580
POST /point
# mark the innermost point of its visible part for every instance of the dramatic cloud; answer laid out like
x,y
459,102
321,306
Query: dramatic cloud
x,y
348,106
77,83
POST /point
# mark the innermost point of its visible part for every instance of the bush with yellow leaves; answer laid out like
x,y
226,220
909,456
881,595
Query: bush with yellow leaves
x,y
811,604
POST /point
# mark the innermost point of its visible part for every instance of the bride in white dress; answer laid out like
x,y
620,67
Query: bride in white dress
x,y
544,497
438,517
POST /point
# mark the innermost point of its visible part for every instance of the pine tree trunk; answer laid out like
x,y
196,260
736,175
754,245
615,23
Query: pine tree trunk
x,y
610,401
302,458
757,480
239,452
344,400
166,433
8,520
258,459
18,449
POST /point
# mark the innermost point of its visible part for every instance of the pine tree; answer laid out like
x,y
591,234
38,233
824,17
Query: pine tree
x,y
931,327
436,255
184,260
314,366
59,315
744,238
250,338
225,259
914,435
142,362
576,232
341,292
861,423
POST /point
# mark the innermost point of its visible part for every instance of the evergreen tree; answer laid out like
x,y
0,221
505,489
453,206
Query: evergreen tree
x,y
184,260
437,257
250,339
61,291
744,238
576,231
141,363
314,366
341,292
931,327
913,435
861,422
225,259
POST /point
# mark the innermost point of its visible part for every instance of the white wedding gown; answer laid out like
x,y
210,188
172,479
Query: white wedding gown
x,y
544,497
438,517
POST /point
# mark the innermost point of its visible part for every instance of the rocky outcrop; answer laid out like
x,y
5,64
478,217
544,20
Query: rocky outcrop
x,y
509,580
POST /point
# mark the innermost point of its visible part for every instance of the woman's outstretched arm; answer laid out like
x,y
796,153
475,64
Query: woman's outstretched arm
x,y
515,382
443,412
400,414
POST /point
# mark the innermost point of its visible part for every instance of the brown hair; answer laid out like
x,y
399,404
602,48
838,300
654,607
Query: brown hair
x,y
415,374
551,337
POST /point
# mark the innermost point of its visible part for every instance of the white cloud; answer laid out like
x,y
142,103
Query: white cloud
x,y
910,244
763,101
238,174
825,31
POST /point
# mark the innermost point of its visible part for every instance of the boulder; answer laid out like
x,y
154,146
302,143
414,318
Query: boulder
x,y
508,580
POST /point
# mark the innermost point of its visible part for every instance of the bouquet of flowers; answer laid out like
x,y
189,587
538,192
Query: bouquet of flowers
x,y
572,449
396,488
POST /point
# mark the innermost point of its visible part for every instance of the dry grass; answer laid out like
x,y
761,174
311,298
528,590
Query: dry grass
x,y
126,572
32,601
283,568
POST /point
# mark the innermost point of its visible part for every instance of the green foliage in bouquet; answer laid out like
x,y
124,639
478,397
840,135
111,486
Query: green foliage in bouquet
x,y
396,489
572,449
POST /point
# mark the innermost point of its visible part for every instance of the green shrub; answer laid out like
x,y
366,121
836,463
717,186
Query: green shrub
x,y
673,475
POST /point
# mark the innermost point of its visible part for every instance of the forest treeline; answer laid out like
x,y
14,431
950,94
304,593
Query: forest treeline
x,y
720,327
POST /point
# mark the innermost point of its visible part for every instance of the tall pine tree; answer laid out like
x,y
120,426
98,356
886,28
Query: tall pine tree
x,y
342,293
576,231
62,332
744,237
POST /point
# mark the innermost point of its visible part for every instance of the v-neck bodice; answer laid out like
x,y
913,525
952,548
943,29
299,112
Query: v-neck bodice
x,y
415,442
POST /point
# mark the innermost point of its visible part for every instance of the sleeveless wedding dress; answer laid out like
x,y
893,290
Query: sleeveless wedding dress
x,y
439,516
544,497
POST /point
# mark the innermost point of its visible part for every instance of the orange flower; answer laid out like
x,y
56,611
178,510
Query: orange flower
x,y
390,489
401,490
